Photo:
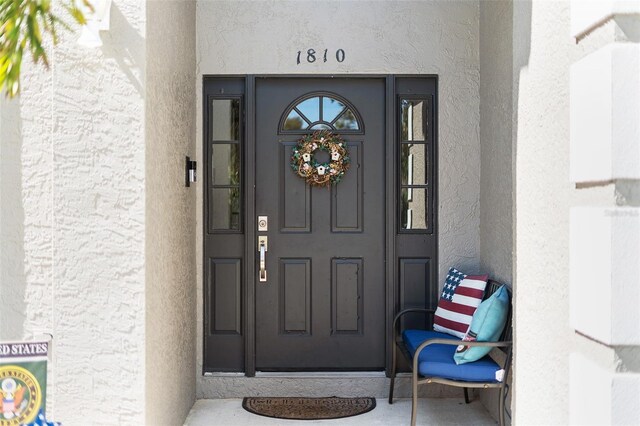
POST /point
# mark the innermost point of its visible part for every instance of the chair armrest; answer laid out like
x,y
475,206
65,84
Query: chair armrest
x,y
408,311
416,355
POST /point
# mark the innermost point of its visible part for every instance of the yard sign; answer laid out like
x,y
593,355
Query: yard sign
x,y
23,382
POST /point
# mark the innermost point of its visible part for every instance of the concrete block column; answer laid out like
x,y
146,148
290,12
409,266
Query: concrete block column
x,y
605,240
605,114
601,397
605,274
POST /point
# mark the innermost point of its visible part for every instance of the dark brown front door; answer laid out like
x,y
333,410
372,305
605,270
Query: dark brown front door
x,y
323,304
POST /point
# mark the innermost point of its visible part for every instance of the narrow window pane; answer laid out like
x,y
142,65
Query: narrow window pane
x,y
414,164
225,161
294,122
310,109
413,126
413,211
225,209
347,121
320,126
225,119
331,108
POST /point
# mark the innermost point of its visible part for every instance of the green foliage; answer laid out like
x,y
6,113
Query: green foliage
x,y
23,23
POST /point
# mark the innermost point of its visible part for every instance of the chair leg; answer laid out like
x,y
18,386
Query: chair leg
x,y
393,372
414,398
466,396
501,406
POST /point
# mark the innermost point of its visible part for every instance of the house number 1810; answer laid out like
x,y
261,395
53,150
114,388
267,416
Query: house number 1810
x,y
311,56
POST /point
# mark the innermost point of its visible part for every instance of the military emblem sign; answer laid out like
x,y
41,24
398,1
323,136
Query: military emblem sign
x,y
23,382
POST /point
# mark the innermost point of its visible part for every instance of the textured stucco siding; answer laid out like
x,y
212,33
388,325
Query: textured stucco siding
x,y
170,213
542,187
605,156
544,340
496,140
496,147
26,175
436,37
72,197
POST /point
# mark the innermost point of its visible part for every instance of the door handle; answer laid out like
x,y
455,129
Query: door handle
x,y
262,248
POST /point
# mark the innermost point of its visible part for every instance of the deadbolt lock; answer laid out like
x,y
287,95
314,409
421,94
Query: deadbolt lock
x,y
263,223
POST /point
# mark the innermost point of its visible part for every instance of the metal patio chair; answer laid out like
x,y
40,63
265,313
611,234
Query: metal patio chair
x,y
438,365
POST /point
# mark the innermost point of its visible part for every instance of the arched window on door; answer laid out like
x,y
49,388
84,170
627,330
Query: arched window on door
x,y
321,111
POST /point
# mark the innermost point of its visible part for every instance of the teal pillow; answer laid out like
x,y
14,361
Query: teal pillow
x,y
486,326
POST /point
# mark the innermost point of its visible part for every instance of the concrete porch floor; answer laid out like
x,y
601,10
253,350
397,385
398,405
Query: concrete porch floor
x,y
431,411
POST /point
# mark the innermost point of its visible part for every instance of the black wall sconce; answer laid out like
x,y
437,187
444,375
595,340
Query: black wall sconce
x,y
190,172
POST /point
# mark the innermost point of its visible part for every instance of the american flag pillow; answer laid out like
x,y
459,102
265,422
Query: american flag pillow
x,y
460,298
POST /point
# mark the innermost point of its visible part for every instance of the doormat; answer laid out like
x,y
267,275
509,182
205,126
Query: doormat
x,y
308,408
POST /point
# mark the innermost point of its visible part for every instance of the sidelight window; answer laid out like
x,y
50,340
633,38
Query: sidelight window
x,y
415,152
225,194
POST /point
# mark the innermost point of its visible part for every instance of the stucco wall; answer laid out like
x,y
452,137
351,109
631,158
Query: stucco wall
x,y
170,212
496,140
605,153
73,220
496,149
439,37
542,331
544,340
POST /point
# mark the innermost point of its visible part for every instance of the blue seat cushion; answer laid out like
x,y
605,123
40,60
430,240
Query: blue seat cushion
x,y
437,360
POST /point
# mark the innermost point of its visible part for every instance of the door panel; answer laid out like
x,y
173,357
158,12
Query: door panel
x,y
323,305
294,285
295,196
347,279
346,198
226,303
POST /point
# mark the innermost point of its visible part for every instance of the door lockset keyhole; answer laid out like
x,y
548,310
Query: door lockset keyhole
x,y
263,223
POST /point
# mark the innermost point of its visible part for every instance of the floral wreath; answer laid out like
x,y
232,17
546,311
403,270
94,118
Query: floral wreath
x,y
314,172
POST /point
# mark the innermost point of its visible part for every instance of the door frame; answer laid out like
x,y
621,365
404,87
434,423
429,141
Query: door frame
x,y
391,193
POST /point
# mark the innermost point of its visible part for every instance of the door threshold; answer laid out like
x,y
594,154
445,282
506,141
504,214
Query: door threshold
x,y
223,374
319,374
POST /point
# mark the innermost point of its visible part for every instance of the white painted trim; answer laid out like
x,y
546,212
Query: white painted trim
x,y
588,15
